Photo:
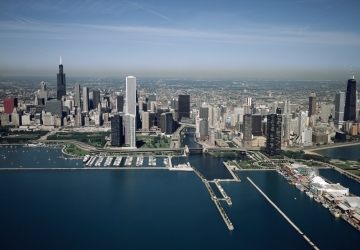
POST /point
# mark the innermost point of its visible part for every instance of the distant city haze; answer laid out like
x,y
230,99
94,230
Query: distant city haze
x,y
250,39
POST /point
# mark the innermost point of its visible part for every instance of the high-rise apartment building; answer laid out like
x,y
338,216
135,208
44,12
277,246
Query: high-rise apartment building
x,y
61,82
350,101
117,137
247,130
85,99
312,104
273,137
131,95
184,106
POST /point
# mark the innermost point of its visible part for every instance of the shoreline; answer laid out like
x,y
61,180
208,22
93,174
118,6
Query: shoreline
x,y
337,145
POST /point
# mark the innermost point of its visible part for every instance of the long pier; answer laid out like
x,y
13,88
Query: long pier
x,y
287,218
215,200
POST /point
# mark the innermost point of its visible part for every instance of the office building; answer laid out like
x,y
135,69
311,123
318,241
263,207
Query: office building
x,y
204,129
312,104
273,137
131,95
120,103
350,100
77,95
95,99
339,109
130,130
145,121
256,125
85,99
204,113
184,107
61,82
167,123
9,105
117,137
54,107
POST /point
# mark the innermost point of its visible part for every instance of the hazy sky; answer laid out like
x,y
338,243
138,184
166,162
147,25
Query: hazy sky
x,y
267,38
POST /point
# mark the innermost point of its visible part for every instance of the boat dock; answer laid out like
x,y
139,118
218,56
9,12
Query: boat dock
x,y
215,199
281,212
108,161
117,161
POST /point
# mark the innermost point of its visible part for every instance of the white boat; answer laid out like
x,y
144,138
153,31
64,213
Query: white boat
x,y
309,194
86,158
317,199
335,213
299,186
325,205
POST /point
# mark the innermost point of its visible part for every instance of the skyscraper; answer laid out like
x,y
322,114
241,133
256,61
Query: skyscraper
x,y
9,105
184,106
96,98
312,104
273,137
120,103
339,109
117,131
129,127
131,95
247,132
350,101
86,99
61,82
204,112
77,95
145,121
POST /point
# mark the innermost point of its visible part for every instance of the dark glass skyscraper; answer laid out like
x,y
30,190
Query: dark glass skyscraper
x,y
96,99
61,82
350,100
312,104
120,103
273,137
184,106
117,135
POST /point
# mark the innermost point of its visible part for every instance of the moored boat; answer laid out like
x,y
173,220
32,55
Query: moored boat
x,y
86,158
335,213
325,205
309,194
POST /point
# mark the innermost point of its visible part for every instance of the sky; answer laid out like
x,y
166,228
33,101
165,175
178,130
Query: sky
x,y
316,39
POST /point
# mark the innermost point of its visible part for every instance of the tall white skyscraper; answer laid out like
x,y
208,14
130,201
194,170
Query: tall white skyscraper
x,y
85,99
131,95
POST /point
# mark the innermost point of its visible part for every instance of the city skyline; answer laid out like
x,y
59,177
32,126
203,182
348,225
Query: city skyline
x,y
272,39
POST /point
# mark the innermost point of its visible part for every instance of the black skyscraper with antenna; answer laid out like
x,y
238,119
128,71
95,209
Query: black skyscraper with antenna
x,y
61,82
350,100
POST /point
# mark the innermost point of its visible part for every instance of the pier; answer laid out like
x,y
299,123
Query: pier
x,y
222,191
281,212
235,176
216,200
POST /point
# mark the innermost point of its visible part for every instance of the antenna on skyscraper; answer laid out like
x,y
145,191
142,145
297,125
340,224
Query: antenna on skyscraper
x,y
60,61
352,76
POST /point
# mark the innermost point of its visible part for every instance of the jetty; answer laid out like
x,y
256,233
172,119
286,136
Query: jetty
x,y
215,199
284,215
